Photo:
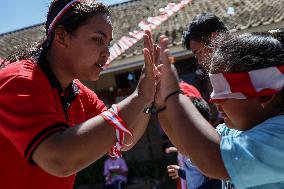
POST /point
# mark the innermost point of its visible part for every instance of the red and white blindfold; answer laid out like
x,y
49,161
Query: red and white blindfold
x,y
261,82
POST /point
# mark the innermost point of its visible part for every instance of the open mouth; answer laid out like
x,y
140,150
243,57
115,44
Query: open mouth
x,y
100,66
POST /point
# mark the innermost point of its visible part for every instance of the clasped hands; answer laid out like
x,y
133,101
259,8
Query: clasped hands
x,y
159,77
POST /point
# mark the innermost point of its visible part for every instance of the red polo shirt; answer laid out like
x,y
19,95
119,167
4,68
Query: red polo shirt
x,y
32,107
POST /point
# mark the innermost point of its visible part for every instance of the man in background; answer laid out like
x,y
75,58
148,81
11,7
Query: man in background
x,y
115,172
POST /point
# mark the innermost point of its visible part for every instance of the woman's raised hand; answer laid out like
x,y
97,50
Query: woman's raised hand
x,y
150,74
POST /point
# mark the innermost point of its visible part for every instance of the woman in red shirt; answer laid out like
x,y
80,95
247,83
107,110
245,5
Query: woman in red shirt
x,y
52,126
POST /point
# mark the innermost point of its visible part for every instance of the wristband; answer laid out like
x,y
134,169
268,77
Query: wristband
x,y
160,110
153,109
113,118
173,93
149,110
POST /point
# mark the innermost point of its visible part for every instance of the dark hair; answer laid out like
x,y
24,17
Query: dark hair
x,y
72,19
76,16
278,34
201,28
202,106
247,52
242,53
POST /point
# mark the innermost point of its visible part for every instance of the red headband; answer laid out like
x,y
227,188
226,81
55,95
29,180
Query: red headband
x,y
59,15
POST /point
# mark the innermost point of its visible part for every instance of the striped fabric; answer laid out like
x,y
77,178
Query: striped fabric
x,y
113,118
261,82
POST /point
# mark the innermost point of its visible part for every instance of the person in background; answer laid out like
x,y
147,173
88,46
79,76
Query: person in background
x,y
200,32
197,37
190,91
172,169
187,170
115,172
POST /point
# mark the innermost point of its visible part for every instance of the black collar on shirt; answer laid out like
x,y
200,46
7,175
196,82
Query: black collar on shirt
x,y
68,95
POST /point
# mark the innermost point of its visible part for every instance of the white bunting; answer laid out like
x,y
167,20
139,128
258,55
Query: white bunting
x,y
150,23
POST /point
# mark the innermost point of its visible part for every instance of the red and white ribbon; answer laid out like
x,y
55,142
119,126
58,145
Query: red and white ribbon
x,y
59,15
114,119
261,82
